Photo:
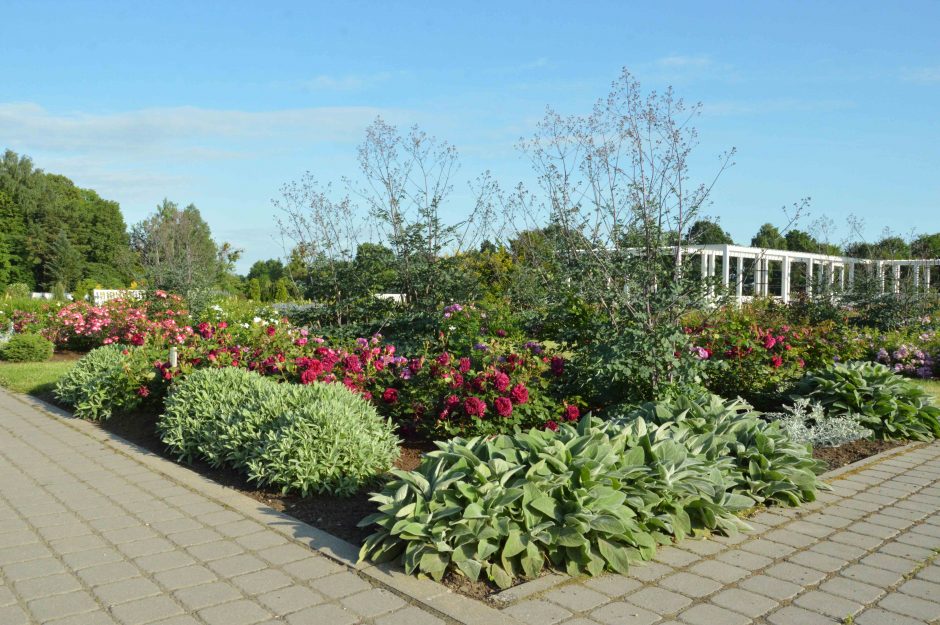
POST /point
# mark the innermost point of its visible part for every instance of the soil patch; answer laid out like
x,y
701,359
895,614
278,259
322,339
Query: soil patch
x,y
848,453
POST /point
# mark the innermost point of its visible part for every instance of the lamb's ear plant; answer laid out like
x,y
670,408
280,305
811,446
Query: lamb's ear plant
x,y
585,499
807,422
106,380
891,406
318,438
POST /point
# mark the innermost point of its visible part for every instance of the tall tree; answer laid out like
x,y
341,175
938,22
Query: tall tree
x,y
707,232
64,267
177,252
769,238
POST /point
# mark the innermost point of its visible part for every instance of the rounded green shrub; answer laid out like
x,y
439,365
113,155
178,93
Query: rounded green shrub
x,y
319,438
891,406
107,379
26,348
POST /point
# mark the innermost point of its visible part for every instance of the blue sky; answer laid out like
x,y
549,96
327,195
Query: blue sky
x,y
220,103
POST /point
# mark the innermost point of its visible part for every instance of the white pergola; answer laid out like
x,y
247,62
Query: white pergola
x,y
832,271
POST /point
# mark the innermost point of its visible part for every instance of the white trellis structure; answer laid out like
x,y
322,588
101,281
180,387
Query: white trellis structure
x,y
735,264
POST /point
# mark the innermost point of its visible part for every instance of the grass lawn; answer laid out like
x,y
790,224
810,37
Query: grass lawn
x,y
932,387
33,378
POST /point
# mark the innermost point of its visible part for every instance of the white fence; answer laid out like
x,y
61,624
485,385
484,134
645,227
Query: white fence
x,y
100,296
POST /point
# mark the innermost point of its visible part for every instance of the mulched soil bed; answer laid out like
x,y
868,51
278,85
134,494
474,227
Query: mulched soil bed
x,y
848,453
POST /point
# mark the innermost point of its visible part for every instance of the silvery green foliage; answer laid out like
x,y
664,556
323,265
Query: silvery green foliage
x,y
105,380
6,333
584,499
806,422
319,438
891,406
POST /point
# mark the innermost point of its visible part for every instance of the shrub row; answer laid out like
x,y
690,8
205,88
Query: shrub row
x,y
26,348
108,379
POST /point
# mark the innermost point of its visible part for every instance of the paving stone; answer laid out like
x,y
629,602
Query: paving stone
x,y
889,562
58,606
99,617
233,566
261,581
922,589
374,602
671,556
872,575
802,575
207,552
702,547
719,571
874,530
613,585
538,612
242,612
107,573
650,571
914,607
312,568
45,586
289,599
744,559
145,547
13,615
620,613
406,616
145,610
906,551
690,585
744,601
818,561
164,561
341,584
793,615
575,597
852,589
707,614
877,616
659,600
198,597
846,553
126,590
806,528
193,575
768,548
831,605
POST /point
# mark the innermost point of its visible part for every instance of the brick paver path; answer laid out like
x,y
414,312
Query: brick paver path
x,y
868,552
90,535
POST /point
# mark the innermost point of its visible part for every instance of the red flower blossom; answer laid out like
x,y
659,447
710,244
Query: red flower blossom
x,y
519,394
143,391
390,396
776,361
443,359
474,406
353,364
451,401
557,365
271,330
500,381
572,413
308,376
503,406
551,425
464,365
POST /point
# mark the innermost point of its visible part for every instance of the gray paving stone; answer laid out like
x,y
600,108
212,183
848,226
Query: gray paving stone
x,y
877,616
852,589
620,613
744,601
538,612
801,575
613,585
45,586
107,573
193,575
242,612
872,575
794,615
341,584
818,561
576,597
719,571
768,548
126,590
914,607
889,562
659,600
207,552
405,616
233,566
58,606
831,605
261,581
13,615
374,602
708,614
690,585
289,599
198,597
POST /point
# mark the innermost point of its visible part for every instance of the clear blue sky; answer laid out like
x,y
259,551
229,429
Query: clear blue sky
x,y
219,103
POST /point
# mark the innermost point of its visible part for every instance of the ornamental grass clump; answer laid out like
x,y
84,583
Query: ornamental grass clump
x,y
106,380
584,498
316,438
891,406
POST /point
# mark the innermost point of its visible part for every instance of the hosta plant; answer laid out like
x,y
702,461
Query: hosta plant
x,y
891,406
583,499
319,438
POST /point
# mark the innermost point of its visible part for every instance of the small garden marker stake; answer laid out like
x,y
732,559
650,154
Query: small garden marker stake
x,y
174,357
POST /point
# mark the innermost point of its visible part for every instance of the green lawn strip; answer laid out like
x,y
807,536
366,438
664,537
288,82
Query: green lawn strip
x,y
33,378
932,387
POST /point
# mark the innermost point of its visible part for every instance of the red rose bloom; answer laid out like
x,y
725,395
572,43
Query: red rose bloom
x,y
500,381
271,330
474,406
557,365
390,396
464,365
519,394
551,425
443,359
572,413
503,406
451,401
308,376
777,362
